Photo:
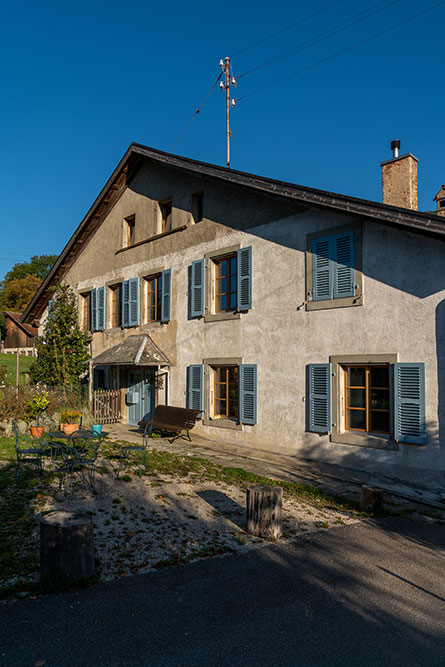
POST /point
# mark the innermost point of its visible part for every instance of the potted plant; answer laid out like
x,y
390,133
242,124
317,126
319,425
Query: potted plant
x,y
70,420
34,408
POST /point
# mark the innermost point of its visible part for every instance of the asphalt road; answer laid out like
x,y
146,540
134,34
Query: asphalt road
x,y
366,594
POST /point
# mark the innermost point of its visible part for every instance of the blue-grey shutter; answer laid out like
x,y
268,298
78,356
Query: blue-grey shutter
x,y
133,302
409,403
248,393
166,295
343,265
125,303
244,278
195,387
321,269
197,288
50,307
93,305
319,397
100,306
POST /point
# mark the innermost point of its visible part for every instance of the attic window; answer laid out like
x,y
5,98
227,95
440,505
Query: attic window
x,y
441,203
129,229
197,207
166,215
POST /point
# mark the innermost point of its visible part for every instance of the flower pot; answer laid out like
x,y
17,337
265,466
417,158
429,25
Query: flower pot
x,y
36,431
69,428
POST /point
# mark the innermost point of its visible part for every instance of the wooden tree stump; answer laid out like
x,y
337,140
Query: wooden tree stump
x,y
370,499
263,506
66,546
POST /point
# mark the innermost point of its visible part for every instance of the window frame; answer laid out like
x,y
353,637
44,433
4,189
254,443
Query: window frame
x,y
339,433
162,205
209,391
85,301
129,231
147,279
228,384
112,288
344,302
367,409
210,258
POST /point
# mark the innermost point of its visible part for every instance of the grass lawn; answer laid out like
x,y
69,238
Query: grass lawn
x,y
117,523
10,361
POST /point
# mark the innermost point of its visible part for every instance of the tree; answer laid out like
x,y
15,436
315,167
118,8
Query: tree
x,y
62,351
38,266
18,293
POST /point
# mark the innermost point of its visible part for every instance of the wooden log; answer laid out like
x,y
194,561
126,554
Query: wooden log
x,y
66,546
371,499
263,510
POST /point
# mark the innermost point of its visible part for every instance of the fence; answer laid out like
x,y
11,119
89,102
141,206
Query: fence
x,y
107,406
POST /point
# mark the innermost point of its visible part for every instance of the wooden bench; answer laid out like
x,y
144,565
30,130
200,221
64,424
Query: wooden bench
x,y
172,420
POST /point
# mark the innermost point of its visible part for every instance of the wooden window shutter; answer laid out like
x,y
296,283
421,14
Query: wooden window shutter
x,y
50,307
321,269
319,397
409,403
343,265
93,306
166,295
195,387
100,308
197,288
244,278
133,302
248,393
125,303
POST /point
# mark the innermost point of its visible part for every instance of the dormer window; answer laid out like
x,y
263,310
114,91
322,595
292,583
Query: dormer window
x,y
129,231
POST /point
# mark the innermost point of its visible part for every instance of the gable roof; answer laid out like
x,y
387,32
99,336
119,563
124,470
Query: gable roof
x,y
393,216
15,317
138,350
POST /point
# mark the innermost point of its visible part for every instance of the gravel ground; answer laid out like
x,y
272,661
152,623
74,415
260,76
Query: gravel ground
x,y
147,522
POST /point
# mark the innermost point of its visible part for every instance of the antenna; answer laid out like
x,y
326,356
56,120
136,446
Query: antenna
x,y
228,81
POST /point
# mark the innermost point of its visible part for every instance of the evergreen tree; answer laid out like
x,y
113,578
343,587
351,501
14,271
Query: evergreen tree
x,y
62,351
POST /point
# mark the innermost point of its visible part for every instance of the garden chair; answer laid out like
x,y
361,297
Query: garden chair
x,y
47,445
79,456
27,449
141,455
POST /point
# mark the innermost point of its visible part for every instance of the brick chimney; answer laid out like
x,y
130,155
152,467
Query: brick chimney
x,y
440,199
399,179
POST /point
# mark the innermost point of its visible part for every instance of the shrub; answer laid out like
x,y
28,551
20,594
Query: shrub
x,y
70,416
36,405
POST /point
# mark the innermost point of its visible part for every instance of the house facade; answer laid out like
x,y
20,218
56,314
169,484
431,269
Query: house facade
x,y
298,321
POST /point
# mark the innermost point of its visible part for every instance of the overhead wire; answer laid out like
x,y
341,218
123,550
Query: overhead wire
x,y
338,53
196,113
339,27
289,27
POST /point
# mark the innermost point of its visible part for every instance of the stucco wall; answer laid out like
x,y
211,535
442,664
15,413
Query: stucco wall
x,y
402,314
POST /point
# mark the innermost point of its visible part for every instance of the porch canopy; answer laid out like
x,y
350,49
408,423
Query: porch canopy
x,y
137,350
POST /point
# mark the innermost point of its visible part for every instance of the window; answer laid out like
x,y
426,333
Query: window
x,y
154,298
226,392
85,321
367,400
333,268
129,231
166,216
158,297
197,207
225,284
115,306
99,378
221,284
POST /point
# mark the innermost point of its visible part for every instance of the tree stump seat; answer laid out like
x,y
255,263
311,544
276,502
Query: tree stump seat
x,y
66,546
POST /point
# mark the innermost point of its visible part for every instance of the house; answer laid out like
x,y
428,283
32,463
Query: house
x,y
299,321
19,336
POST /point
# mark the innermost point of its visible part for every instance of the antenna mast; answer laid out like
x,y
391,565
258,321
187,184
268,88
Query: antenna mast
x,y
225,85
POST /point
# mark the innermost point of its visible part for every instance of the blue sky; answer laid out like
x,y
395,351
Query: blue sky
x,y
81,81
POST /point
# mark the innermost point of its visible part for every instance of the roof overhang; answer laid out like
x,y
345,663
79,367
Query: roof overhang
x,y
392,216
139,350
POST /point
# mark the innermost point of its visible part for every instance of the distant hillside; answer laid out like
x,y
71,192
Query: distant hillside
x,y
10,360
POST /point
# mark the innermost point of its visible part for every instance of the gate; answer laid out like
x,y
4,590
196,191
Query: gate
x,y
107,406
